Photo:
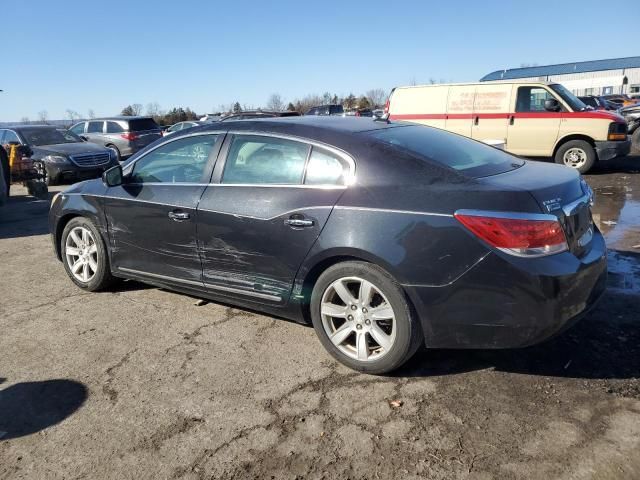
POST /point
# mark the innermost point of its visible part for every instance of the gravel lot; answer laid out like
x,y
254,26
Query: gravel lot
x,y
142,383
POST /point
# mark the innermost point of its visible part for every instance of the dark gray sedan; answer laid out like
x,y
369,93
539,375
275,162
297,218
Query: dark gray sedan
x,y
386,236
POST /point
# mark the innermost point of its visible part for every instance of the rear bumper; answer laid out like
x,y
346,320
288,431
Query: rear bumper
x,y
512,302
610,150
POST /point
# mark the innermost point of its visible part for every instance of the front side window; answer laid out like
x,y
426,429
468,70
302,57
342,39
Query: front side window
x,y
114,127
47,136
325,168
78,129
531,99
95,127
255,159
180,161
10,137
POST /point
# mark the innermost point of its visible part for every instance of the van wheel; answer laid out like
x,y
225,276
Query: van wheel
x,y
363,318
577,154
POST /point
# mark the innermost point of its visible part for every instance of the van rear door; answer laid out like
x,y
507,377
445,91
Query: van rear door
x,y
491,108
460,109
532,130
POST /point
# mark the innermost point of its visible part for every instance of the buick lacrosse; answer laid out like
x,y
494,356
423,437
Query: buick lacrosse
x,y
385,236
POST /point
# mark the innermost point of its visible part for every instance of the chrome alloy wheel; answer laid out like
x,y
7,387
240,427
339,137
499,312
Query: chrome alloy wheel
x,y
575,157
81,253
358,319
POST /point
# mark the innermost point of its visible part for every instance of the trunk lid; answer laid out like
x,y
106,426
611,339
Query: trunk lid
x,y
559,191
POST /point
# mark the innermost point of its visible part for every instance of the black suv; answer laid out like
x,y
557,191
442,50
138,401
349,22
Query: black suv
x,y
326,110
65,155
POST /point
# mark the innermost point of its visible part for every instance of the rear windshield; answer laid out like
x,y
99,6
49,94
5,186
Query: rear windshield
x,y
467,156
142,124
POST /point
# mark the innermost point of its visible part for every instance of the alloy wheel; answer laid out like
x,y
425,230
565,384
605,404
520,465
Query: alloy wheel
x,y
81,253
575,157
358,319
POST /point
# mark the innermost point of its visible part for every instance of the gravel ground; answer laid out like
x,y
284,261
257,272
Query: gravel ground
x,y
143,383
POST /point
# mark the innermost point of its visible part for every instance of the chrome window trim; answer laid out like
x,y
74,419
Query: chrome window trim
x,y
265,296
507,215
570,208
390,210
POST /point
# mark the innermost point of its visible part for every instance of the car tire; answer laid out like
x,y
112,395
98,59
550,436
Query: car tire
x,y
94,271
117,152
380,353
635,140
577,154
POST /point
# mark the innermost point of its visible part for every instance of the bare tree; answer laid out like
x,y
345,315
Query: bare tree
x,y
72,114
137,109
153,109
377,97
43,116
91,113
24,120
275,103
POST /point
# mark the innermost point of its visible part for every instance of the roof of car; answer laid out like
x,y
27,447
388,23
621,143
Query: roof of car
x,y
121,117
327,123
24,127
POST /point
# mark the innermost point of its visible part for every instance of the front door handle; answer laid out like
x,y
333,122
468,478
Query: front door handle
x,y
476,120
298,222
178,216
511,119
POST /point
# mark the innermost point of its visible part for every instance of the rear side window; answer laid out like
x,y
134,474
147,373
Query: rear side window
x,y
336,109
474,159
114,127
95,127
254,159
142,124
324,168
10,137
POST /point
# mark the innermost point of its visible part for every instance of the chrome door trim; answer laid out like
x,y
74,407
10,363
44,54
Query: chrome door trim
x,y
265,296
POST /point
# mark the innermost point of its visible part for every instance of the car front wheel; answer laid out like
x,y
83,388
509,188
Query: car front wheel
x,y
84,255
363,318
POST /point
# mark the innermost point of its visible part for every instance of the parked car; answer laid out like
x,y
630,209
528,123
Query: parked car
x,y
336,110
632,116
180,126
533,119
387,236
359,112
124,135
620,100
255,114
597,103
66,156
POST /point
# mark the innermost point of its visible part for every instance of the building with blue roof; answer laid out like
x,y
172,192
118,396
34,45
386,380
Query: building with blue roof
x,y
595,77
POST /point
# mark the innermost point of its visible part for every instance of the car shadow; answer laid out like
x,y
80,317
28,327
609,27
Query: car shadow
x,y
29,407
24,216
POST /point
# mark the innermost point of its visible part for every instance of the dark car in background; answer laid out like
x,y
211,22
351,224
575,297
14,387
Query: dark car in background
x,y
66,156
124,135
597,103
386,236
176,127
324,110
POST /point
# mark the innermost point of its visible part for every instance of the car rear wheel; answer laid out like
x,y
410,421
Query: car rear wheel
x,y
84,255
363,318
577,154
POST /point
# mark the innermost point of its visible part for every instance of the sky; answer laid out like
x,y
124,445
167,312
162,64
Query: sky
x,y
102,56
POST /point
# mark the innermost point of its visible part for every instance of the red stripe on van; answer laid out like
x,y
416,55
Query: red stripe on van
x,y
599,115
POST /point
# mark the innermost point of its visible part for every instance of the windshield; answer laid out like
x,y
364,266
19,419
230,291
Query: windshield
x,y
574,102
48,136
474,159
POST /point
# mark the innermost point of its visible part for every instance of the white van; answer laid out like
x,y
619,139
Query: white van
x,y
533,119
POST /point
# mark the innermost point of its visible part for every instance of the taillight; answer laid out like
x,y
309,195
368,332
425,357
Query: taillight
x,y
386,105
130,136
358,114
524,235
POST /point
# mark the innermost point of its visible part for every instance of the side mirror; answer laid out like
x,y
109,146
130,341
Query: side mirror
x,y
551,105
84,138
113,176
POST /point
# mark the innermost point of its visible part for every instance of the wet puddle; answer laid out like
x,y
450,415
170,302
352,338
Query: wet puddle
x,y
617,214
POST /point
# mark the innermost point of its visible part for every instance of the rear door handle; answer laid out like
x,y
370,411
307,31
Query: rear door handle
x,y
298,222
178,216
511,119
476,120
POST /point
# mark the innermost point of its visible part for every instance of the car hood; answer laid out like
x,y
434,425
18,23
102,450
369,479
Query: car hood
x,y
68,149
